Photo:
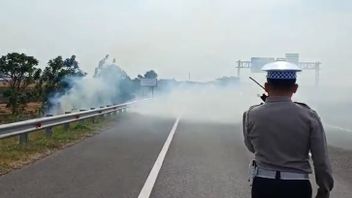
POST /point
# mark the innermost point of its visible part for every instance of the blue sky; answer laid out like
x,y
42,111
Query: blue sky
x,y
203,37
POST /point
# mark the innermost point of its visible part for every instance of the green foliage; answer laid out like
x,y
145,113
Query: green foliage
x,y
20,71
81,126
53,80
151,74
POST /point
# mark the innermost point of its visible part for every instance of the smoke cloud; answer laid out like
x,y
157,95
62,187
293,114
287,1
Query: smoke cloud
x,y
201,102
109,85
211,102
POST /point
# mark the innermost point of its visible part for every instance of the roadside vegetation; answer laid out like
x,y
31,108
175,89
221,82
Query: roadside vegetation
x,y
24,82
28,89
14,155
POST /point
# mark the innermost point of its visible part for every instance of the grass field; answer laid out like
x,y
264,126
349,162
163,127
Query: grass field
x,y
14,156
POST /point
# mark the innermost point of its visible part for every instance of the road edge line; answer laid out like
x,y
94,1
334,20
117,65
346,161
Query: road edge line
x,y
339,128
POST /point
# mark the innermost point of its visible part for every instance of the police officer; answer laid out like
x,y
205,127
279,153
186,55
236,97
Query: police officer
x,y
281,134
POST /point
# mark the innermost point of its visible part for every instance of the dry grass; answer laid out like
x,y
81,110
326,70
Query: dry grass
x,y
7,85
14,156
31,107
3,109
4,85
30,111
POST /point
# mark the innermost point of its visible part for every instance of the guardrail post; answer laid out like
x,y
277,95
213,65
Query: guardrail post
x,y
124,110
108,114
102,115
93,118
49,130
24,138
81,121
115,109
67,125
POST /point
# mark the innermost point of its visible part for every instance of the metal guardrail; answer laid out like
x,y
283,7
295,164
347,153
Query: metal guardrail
x,y
22,128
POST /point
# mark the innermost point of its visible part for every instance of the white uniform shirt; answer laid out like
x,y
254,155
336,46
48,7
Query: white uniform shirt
x,y
281,134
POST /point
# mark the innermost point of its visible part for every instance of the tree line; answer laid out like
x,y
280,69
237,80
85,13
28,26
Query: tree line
x,y
29,83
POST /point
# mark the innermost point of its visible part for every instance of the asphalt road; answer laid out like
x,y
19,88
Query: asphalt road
x,y
205,159
114,163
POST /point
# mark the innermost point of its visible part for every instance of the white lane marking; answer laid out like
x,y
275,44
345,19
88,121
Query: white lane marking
x,y
339,128
153,175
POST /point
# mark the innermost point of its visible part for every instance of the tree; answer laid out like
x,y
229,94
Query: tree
x,y
139,76
20,71
151,74
55,77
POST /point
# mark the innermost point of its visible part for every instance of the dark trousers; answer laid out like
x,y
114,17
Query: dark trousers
x,y
276,188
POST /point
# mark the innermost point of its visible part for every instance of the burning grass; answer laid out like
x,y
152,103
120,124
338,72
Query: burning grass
x,y
14,156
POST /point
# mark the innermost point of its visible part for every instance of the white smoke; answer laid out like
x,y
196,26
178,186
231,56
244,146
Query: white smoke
x,y
201,102
225,104
211,101
92,91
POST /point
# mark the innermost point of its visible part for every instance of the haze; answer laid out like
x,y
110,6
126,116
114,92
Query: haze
x,y
202,37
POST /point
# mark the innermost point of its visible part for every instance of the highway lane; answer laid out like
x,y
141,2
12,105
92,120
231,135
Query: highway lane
x,y
339,137
208,159
205,159
114,163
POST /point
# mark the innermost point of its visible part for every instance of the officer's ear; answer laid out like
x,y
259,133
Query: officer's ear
x,y
294,88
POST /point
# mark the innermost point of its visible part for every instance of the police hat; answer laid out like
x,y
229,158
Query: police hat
x,y
281,70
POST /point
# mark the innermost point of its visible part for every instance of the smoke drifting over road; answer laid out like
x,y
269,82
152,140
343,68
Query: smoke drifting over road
x,y
109,85
213,101
201,102
216,103
226,103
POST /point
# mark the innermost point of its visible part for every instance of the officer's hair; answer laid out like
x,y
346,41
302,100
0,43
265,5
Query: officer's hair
x,y
281,84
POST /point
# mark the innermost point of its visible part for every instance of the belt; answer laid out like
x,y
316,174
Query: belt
x,y
271,174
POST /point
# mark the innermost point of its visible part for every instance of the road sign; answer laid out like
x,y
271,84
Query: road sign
x,y
292,58
146,82
258,62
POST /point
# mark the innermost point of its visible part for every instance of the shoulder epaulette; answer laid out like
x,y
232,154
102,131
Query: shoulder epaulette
x,y
302,104
254,106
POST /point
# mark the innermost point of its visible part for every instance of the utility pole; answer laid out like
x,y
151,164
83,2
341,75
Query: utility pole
x,y
242,65
238,68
